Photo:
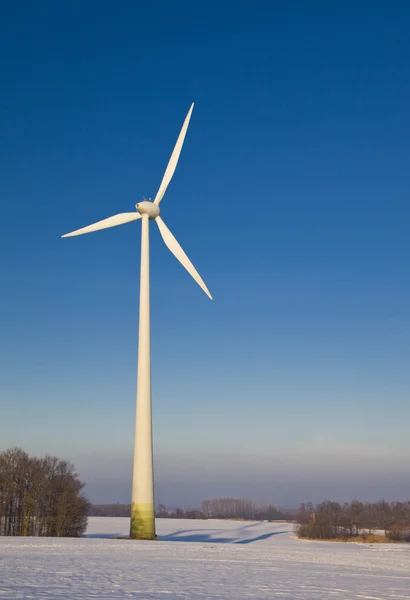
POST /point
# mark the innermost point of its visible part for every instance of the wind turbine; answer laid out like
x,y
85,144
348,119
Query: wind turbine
x,y
142,507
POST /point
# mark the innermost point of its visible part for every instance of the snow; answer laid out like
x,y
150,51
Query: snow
x,y
200,560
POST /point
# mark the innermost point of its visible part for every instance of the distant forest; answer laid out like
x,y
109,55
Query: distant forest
x,y
217,508
378,521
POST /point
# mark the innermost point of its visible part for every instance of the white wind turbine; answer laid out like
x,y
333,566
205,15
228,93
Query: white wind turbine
x,y
142,510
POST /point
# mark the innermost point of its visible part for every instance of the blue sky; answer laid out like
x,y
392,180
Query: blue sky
x,y
291,198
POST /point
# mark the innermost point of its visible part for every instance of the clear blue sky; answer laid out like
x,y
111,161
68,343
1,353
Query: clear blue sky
x,y
291,197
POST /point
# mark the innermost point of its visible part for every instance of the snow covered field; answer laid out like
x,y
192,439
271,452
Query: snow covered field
x,y
200,560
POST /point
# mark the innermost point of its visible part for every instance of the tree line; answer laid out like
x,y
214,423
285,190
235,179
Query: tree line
x,y
331,520
241,508
40,496
161,511
217,508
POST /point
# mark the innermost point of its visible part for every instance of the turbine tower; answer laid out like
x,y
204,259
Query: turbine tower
x,y
142,503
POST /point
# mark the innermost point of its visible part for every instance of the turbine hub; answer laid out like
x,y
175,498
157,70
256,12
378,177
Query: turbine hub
x,y
148,208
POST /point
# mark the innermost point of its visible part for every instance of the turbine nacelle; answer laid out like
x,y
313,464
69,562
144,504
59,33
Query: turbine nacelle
x,y
148,208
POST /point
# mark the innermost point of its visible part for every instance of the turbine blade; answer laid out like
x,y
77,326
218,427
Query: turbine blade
x,y
177,251
106,223
173,161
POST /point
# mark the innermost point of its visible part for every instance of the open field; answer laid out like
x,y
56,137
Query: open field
x,y
200,560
